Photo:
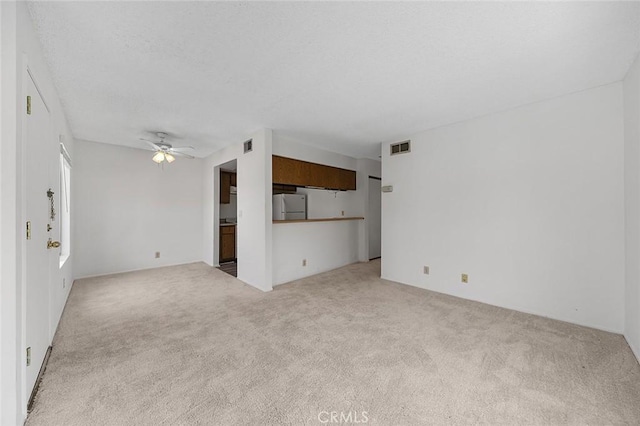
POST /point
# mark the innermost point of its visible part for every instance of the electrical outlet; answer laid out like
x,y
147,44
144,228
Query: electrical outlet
x,y
426,270
157,255
304,262
342,212
465,278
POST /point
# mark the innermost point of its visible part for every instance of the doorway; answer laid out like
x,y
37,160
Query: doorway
x,y
374,218
228,218
41,231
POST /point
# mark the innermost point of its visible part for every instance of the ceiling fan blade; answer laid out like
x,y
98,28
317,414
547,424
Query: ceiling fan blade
x,y
182,148
181,154
151,144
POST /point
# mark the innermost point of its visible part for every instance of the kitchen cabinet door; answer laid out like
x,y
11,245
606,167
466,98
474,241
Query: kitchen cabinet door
x,y
288,171
225,187
227,243
315,175
347,180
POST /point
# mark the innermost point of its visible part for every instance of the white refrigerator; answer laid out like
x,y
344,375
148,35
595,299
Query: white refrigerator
x,y
289,206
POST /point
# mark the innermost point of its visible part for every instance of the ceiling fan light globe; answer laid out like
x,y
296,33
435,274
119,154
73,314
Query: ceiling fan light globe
x,y
159,157
170,158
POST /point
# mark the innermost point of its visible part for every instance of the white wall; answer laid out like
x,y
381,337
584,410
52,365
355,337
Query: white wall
x,y
325,245
10,386
293,148
632,205
21,49
254,209
127,208
230,211
323,204
529,202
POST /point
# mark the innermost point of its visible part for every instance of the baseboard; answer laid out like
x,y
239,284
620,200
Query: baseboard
x,y
635,350
36,387
264,290
517,309
140,269
333,268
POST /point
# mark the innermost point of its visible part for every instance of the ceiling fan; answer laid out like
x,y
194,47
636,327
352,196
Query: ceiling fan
x,y
165,151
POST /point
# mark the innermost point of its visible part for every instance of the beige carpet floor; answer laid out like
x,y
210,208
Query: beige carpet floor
x,y
190,345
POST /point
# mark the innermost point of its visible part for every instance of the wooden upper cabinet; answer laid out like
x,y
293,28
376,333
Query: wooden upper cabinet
x,y
315,175
288,171
225,187
285,170
347,179
227,180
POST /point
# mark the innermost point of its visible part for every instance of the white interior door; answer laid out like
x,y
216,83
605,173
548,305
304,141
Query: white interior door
x,y
374,218
38,257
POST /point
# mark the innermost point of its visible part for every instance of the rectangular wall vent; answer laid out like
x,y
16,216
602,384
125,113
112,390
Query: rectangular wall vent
x,y
400,147
248,146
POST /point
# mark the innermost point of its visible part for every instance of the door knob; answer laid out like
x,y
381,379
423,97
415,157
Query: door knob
x,y
53,244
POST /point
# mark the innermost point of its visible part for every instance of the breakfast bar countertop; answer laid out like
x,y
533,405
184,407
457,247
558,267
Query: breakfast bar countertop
x,y
327,219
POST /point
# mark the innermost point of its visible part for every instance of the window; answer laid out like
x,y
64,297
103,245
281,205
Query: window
x,y
65,205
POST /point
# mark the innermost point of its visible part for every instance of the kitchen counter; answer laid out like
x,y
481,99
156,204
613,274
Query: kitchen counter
x,y
327,219
325,243
227,224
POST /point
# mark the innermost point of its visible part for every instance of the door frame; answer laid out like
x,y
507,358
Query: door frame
x,y
368,234
217,237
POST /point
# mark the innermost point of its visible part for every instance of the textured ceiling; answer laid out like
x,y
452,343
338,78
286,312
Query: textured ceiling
x,y
341,76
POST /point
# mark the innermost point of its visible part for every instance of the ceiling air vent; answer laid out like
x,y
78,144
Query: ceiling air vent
x,y
400,147
248,146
